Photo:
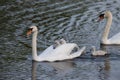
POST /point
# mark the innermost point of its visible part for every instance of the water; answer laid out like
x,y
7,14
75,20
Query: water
x,y
74,20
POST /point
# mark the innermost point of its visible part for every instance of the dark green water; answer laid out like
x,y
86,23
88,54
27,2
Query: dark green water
x,y
74,20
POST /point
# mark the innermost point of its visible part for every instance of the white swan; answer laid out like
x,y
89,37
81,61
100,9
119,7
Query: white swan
x,y
62,41
62,52
98,52
116,38
58,43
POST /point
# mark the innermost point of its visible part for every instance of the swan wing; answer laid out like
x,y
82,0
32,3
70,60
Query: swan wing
x,y
99,53
69,56
115,39
47,51
60,53
64,49
77,54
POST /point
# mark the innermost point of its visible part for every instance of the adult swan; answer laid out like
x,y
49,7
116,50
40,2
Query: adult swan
x,y
62,52
116,38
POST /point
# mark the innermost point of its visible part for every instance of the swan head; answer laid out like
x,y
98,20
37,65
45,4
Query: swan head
x,y
92,49
31,30
106,14
62,41
56,44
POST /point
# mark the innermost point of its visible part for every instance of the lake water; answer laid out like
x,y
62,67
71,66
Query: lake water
x,y
73,20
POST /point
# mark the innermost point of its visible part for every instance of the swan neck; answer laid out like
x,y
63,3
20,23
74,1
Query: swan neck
x,y
34,45
94,49
107,28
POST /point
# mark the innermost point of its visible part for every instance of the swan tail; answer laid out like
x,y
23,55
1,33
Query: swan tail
x,y
78,53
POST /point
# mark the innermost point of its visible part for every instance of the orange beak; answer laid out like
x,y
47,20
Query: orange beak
x,y
29,32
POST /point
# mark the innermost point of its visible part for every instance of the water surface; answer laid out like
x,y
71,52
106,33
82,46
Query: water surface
x,y
74,20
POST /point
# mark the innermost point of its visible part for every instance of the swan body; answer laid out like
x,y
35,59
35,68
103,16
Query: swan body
x,y
98,52
61,52
116,38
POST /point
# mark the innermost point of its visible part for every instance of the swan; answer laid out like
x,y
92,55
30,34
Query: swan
x,y
62,41
58,43
62,52
116,38
98,52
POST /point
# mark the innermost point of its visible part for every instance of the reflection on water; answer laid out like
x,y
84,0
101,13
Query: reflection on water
x,y
104,71
60,68
73,20
34,69
68,70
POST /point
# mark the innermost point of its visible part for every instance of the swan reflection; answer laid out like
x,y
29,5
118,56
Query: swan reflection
x,y
61,68
34,67
104,70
